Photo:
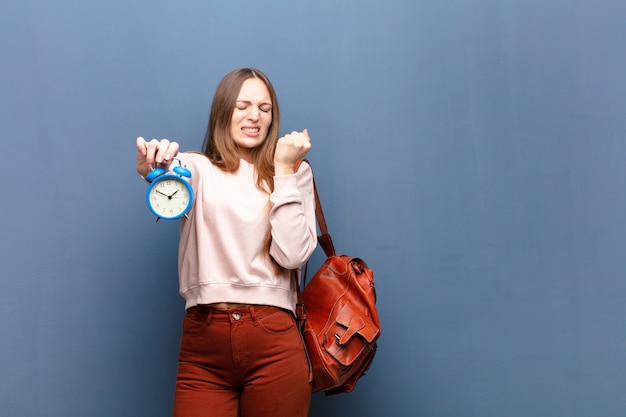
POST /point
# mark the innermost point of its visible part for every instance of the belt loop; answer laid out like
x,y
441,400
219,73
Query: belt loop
x,y
208,316
253,315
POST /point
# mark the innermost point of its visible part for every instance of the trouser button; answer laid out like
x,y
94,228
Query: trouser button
x,y
236,316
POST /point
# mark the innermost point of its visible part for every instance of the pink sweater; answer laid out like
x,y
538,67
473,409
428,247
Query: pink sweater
x,y
221,251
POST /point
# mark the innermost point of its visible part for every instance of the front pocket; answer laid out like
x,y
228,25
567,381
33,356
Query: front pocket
x,y
192,326
278,322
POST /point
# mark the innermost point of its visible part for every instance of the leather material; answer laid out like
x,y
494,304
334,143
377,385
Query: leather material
x,y
338,317
342,325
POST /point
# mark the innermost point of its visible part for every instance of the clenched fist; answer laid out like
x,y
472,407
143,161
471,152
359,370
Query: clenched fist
x,y
289,150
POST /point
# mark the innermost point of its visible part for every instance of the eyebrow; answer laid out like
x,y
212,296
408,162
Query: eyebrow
x,y
251,102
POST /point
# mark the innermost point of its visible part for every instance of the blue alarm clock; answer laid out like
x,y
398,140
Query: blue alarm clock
x,y
169,196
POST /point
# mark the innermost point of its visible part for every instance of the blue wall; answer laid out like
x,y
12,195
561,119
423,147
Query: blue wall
x,y
473,152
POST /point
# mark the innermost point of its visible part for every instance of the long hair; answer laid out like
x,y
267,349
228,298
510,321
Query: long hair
x,y
220,148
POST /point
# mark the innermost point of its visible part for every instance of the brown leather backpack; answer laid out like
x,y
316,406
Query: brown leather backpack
x,y
338,317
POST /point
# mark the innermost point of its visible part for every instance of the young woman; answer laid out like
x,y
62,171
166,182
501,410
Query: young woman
x,y
252,225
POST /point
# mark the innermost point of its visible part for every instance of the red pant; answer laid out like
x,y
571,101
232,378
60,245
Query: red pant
x,y
246,362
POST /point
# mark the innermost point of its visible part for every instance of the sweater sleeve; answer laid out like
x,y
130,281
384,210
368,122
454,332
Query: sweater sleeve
x,y
292,218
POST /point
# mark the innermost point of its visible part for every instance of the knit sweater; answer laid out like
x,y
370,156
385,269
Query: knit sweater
x,y
222,255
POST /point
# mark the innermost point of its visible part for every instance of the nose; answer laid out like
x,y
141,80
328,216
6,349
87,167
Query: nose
x,y
253,113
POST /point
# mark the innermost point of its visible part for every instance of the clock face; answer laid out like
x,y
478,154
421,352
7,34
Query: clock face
x,y
169,197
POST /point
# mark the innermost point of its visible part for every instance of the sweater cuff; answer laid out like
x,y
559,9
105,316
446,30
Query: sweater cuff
x,y
286,185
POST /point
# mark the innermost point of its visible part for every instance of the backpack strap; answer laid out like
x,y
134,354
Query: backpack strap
x,y
324,239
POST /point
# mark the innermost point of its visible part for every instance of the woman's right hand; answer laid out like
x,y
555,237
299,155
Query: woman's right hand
x,y
154,153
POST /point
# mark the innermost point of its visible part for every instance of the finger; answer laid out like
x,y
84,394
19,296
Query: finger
x,y
162,148
287,139
302,139
171,152
141,145
151,152
306,139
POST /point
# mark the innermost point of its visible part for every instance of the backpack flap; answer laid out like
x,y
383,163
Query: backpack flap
x,y
356,322
350,335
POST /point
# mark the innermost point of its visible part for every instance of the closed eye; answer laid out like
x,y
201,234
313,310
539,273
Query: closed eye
x,y
264,107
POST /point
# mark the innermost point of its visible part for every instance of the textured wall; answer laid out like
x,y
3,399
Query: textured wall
x,y
471,151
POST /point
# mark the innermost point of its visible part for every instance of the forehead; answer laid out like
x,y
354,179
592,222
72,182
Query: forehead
x,y
254,90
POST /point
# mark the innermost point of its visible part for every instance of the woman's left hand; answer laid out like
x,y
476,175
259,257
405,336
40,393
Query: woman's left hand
x,y
290,149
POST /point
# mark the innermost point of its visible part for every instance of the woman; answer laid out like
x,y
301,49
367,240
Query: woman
x,y
252,225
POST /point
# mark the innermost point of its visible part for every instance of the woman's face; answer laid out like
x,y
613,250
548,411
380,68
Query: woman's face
x,y
252,116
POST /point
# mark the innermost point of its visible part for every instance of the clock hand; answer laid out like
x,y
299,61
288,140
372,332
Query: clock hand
x,y
172,195
162,193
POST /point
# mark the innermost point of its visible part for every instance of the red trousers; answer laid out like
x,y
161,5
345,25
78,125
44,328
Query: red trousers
x,y
247,362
